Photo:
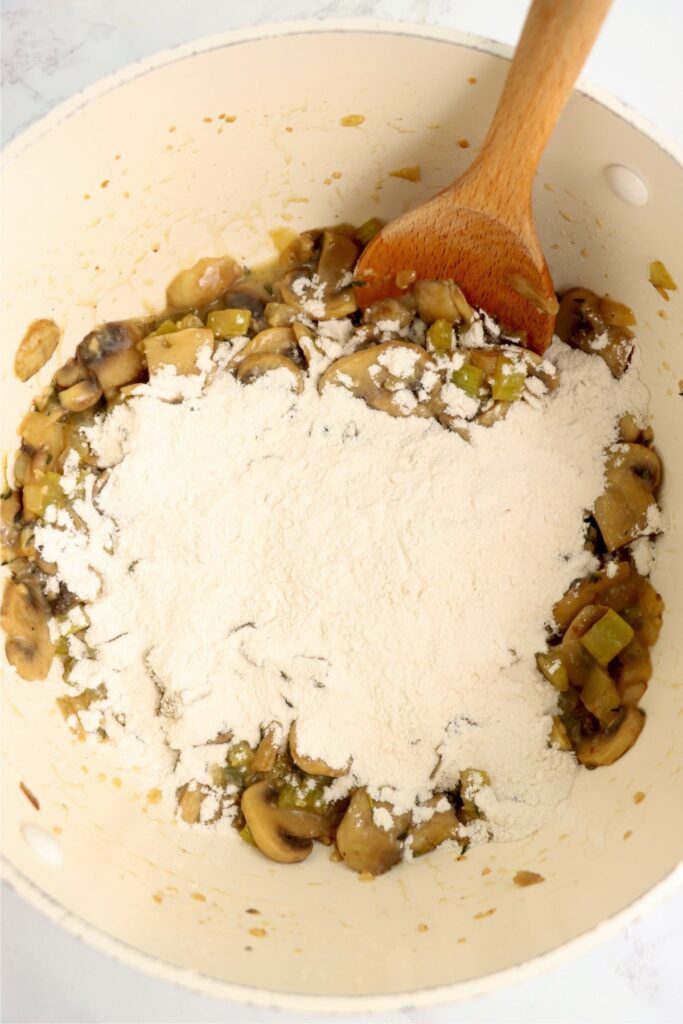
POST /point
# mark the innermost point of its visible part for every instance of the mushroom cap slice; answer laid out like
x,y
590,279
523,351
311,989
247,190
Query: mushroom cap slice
x,y
279,340
364,845
429,834
24,618
312,765
202,283
255,366
608,747
386,377
284,834
589,591
35,348
633,473
111,353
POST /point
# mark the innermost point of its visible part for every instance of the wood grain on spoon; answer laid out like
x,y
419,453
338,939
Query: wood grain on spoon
x,y
480,230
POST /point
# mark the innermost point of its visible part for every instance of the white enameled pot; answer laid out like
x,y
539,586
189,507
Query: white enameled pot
x,y
103,201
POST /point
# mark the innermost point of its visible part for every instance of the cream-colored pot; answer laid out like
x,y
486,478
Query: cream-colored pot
x,y
202,151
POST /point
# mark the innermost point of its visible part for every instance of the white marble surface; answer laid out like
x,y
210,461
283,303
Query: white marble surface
x,y
52,48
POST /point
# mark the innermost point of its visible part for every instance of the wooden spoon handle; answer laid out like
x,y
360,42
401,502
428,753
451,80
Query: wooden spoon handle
x,y
555,41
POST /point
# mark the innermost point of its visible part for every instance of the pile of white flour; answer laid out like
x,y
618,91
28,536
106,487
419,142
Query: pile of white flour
x,y
261,556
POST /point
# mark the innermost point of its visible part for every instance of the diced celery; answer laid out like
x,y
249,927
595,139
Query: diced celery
x,y
469,379
246,835
189,320
367,231
240,754
600,696
551,665
229,323
38,494
508,379
167,327
302,799
559,737
440,335
607,637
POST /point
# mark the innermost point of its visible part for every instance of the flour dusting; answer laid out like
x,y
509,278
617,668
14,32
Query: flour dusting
x,y
257,556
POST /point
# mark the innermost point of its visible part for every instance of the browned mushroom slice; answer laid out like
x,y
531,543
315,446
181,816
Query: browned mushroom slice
x,y
111,353
268,749
427,835
255,366
284,834
633,671
589,591
393,311
386,377
338,257
441,300
632,473
363,844
201,283
595,326
608,747
279,340
43,431
24,618
69,374
179,349
80,396
312,765
35,348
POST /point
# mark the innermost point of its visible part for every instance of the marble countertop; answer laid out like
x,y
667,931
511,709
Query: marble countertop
x,y
53,48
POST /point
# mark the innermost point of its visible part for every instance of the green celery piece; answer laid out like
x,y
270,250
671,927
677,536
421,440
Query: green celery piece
x,y
552,667
607,637
468,378
440,334
508,379
600,696
367,231
246,835
229,323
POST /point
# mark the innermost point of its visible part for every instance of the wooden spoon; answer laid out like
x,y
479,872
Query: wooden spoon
x,y
480,230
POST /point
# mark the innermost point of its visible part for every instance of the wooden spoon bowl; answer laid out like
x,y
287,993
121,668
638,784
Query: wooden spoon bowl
x,y
480,230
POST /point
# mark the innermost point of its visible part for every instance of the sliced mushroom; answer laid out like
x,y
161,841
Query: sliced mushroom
x,y
590,591
384,376
278,340
442,825
69,374
255,366
312,765
394,311
283,834
111,352
24,618
633,671
633,473
42,431
202,283
608,747
575,658
441,300
365,846
587,322
559,737
179,349
35,348
80,396
338,257
268,749
278,314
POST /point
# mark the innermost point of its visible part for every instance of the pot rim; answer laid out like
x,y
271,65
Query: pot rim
x,y
196,981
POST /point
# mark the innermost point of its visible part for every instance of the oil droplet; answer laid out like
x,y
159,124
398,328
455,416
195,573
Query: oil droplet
x,y
351,120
